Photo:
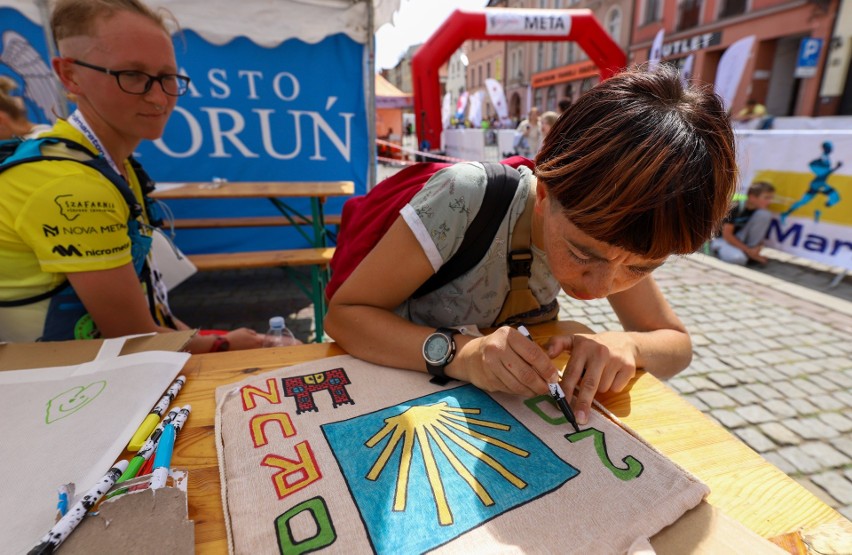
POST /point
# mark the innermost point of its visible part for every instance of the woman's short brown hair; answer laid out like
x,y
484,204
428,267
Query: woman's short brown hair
x,y
643,164
72,18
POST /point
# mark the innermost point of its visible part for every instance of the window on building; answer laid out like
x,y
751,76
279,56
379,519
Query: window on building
x,y
488,70
570,54
689,12
551,99
613,23
733,7
537,98
554,54
539,58
569,91
480,76
652,11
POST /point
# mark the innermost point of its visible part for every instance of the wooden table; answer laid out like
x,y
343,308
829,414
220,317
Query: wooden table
x,y
743,485
277,192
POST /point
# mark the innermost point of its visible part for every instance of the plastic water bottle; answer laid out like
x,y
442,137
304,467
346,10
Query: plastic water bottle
x,y
278,334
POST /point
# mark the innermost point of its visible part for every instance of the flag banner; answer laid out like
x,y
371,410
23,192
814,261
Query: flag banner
x,y
498,98
474,113
732,64
656,51
446,111
461,104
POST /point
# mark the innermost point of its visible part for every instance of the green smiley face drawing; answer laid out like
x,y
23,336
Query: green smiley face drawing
x,y
70,401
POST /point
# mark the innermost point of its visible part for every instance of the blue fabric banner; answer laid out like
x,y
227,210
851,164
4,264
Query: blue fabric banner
x,y
296,112
292,113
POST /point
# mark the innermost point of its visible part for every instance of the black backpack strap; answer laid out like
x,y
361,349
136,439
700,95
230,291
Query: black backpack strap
x,y
35,298
502,182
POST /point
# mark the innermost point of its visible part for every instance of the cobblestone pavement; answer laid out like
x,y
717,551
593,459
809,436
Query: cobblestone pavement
x,y
772,364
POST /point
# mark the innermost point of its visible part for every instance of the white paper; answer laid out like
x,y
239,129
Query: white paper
x,y
69,424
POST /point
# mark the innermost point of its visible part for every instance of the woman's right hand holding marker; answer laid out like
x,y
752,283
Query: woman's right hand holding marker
x,y
504,361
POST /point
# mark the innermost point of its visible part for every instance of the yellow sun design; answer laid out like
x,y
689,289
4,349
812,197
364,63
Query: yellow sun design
x,y
439,422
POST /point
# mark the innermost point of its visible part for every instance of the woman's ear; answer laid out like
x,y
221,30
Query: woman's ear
x,y
541,195
67,74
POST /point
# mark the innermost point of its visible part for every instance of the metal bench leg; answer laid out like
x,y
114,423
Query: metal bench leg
x,y
318,282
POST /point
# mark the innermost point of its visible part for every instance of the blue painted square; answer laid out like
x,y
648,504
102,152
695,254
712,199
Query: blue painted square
x,y
513,467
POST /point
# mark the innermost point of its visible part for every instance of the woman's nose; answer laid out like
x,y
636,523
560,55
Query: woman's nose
x,y
598,281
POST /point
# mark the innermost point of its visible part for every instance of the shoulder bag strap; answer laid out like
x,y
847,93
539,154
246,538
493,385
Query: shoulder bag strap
x,y
520,305
502,182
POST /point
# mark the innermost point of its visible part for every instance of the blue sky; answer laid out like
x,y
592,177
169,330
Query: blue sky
x,y
414,23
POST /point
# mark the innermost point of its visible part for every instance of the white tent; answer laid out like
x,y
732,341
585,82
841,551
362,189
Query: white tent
x,y
266,22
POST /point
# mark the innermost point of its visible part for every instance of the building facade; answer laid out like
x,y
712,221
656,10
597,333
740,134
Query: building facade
x,y
799,65
562,69
706,28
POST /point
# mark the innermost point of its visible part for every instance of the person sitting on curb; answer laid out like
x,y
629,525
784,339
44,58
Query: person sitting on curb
x,y
745,227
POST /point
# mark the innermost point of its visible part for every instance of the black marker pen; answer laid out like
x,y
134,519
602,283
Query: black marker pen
x,y
556,392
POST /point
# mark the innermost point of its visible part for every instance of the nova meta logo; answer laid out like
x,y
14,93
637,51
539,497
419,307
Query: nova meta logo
x,y
50,230
70,250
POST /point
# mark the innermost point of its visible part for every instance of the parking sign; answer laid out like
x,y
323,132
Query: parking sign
x,y
806,64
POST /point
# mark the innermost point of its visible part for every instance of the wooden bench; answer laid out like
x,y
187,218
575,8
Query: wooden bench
x,y
263,259
317,258
249,221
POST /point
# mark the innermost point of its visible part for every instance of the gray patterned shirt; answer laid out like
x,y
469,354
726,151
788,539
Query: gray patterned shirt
x,y
438,216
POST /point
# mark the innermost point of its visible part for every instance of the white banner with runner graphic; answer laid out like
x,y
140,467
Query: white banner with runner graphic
x,y
812,175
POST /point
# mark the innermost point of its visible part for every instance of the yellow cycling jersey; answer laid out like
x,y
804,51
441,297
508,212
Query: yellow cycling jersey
x,y
57,217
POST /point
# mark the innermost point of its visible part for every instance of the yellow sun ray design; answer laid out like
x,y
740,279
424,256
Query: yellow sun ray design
x,y
439,422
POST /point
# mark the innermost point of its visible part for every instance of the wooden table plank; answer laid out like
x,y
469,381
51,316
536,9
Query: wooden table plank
x,y
743,485
256,189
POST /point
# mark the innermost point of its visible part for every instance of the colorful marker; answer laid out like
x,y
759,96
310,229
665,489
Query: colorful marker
x,y
142,462
556,392
62,504
150,422
163,458
67,523
144,454
178,423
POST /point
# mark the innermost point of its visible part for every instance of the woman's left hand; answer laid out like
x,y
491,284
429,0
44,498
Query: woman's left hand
x,y
599,362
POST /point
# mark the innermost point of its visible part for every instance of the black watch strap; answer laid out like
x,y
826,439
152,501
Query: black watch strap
x,y
437,371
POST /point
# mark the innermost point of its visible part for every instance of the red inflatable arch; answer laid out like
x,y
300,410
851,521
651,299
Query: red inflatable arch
x,y
579,26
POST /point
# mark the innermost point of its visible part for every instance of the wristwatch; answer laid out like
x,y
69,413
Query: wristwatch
x,y
439,349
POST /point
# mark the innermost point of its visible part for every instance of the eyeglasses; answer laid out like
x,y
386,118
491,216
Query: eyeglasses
x,y
133,81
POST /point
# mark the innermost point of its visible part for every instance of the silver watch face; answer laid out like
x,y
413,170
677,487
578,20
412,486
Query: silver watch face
x,y
436,349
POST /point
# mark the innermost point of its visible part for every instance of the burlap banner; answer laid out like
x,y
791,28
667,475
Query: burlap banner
x,y
347,456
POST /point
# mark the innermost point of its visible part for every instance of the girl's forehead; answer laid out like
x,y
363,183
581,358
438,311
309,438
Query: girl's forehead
x,y
597,249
